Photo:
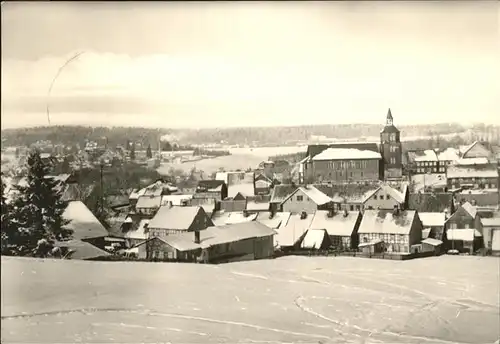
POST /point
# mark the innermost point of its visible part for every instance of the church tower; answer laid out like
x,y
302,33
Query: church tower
x,y
390,149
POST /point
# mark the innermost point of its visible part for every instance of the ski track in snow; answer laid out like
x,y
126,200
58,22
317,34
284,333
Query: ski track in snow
x,y
87,311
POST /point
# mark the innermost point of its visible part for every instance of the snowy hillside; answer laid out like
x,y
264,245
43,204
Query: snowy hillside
x,y
294,299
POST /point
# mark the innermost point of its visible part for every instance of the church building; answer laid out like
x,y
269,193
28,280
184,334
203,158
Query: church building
x,y
347,162
391,150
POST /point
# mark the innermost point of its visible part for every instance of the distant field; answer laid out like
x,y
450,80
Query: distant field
x,y
293,299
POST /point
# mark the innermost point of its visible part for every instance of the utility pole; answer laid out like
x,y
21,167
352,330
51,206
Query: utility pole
x,y
102,191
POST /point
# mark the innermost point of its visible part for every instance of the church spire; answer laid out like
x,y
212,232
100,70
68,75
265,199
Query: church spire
x,y
389,120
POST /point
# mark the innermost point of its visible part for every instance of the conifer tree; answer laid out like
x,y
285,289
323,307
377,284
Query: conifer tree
x,y
38,210
132,152
8,231
149,153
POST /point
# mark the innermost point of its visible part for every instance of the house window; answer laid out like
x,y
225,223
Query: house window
x,y
351,174
300,198
466,226
453,226
358,207
393,160
352,207
375,197
362,175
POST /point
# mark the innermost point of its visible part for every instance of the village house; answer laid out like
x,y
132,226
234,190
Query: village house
x,y
138,235
279,194
491,234
341,227
236,203
171,220
433,224
147,206
262,184
361,196
447,157
473,177
213,189
210,205
258,203
477,150
238,182
464,229
390,231
289,236
423,161
84,225
306,199
237,242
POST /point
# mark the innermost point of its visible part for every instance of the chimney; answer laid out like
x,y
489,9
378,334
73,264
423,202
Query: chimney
x,y
246,213
197,239
396,210
303,215
346,213
331,213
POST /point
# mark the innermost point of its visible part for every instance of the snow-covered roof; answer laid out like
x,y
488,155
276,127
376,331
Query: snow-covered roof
x,y
472,161
470,172
433,242
148,202
426,155
246,189
83,222
179,218
449,154
340,224
383,221
472,210
346,154
432,219
314,194
239,217
257,206
491,222
276,221
294,229
140,233
314,238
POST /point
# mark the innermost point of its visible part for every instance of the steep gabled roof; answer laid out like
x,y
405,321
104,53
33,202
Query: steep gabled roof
x,y
83,222
178,218
314,194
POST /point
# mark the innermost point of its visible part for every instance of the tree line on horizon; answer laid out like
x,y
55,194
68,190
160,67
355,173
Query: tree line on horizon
x,y
188,137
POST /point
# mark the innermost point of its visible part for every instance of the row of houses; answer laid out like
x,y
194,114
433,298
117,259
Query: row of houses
x,y
438,161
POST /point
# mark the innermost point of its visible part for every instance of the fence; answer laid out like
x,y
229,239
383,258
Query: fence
x,y
391,256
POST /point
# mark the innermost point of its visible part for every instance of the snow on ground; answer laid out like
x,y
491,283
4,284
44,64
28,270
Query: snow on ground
x,y
445,299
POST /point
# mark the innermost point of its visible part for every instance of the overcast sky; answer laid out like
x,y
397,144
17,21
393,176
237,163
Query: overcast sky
x,y
217,64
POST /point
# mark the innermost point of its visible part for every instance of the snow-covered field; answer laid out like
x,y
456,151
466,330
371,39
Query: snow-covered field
x,y
449,299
